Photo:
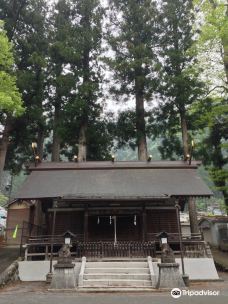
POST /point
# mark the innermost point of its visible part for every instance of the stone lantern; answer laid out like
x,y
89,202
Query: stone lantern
x,y
64,275
169,274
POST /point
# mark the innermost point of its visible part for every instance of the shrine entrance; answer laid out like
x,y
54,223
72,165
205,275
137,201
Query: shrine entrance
x,y
114,228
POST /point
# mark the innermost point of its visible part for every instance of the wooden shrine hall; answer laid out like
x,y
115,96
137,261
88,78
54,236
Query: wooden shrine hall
x,y
125,204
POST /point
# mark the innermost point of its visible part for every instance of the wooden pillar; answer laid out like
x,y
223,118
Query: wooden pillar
x,y
144,225
47,222
193,216
86,215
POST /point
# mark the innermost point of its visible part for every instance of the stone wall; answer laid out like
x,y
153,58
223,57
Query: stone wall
x,y
11,274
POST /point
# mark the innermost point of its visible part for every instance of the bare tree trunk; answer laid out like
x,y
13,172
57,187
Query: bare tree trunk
x,y
184,131
40,143
191,203
4,142
140,127
225,48
56,138
82,143
193,216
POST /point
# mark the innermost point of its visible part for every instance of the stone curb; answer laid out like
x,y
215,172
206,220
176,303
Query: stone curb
x,y
11,274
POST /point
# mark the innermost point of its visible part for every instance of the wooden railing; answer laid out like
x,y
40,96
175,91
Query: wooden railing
x,y
196,249
118,249
41,247
29,230
174,237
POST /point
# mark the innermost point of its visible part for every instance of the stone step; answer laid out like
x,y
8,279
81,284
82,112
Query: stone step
x,y
143,270
116,276
117,264
108,289
116,283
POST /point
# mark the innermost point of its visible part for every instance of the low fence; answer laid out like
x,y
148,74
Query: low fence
x,y
42,249
118,249
174,237
39,246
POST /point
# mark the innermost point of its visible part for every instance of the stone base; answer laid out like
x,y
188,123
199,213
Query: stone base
x,y
63,278
169,276
49,277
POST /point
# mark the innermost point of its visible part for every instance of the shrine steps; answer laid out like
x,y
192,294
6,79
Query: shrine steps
x,y
116,274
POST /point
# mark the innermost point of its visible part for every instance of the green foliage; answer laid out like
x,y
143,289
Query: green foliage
x,y
133,37
215,25
180,86
10,98
213,41
28,32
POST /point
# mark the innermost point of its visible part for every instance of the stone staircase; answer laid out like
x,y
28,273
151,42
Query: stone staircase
x,y
117,274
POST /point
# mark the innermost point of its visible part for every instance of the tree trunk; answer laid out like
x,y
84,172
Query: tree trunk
x,y
82,143
4,142
226,201
225,48
140,127
193,216
56,138
40,143
184,131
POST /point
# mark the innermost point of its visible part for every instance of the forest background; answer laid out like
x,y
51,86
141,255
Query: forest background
x,y
132,78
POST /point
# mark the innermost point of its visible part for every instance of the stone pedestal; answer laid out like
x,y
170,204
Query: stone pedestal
x,y
63,278
49,277
64,275
169,276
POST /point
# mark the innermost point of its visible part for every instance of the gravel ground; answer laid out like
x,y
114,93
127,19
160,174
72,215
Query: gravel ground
x,y
36,293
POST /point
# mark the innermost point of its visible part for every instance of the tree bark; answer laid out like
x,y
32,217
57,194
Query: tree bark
x,y
40,143
56,138
140,127
82,143
225,48
4,142
184,131
193,216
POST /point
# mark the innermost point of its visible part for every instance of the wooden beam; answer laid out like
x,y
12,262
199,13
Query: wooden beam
x,y
86,215
144,224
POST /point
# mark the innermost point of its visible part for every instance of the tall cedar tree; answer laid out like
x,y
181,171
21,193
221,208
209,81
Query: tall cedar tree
x,y
62,67
133,37
10,98
179,85
10,14
87,110
75,76
25,25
